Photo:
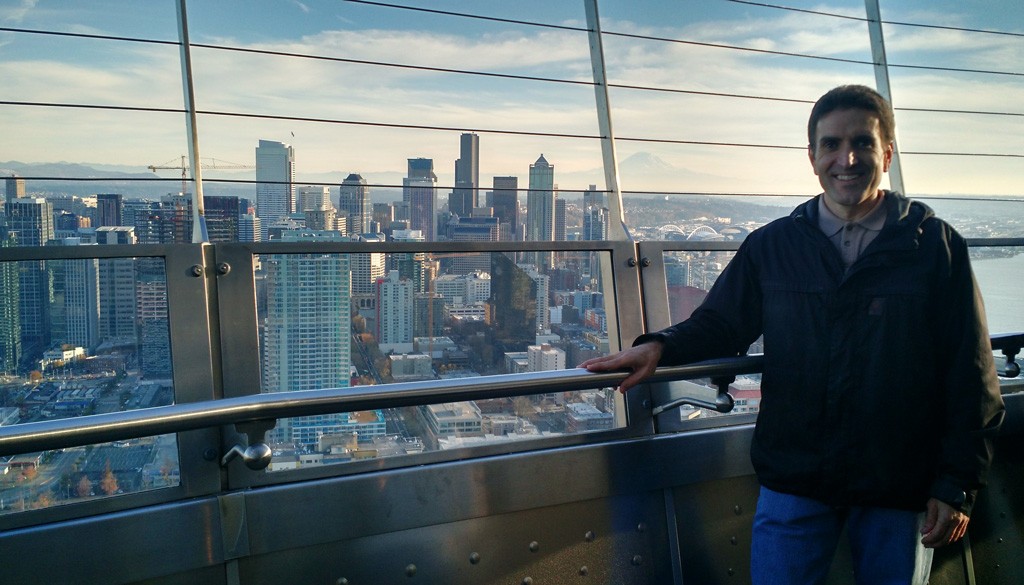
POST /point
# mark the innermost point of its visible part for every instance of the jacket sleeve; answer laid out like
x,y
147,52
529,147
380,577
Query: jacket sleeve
x,y
973,407
725,324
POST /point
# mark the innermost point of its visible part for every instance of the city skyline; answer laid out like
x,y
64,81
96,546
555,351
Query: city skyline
x,y
75,71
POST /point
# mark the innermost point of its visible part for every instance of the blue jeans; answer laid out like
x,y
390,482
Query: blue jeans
x,y
795,539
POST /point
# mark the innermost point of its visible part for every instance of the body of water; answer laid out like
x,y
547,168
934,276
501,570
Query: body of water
x,y
1002,286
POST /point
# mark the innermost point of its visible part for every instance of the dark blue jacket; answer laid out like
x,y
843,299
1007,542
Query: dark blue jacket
x,y
879,385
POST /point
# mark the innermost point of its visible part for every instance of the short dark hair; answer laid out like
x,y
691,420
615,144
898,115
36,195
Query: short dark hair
x,y
846,97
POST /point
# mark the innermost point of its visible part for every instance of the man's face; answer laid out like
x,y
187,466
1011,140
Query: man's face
x,y
849,156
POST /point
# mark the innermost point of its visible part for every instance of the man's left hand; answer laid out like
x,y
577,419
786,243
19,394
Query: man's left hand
x,y
943,524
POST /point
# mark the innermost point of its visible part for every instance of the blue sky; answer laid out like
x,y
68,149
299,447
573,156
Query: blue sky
x,y
50,69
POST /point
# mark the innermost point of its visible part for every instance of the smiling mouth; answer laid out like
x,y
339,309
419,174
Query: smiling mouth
x,y
847,177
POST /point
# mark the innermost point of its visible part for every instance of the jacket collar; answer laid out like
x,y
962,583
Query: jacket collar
x,y
903,221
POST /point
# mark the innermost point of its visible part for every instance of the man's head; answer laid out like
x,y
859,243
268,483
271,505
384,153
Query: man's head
x,y
846,97
851,132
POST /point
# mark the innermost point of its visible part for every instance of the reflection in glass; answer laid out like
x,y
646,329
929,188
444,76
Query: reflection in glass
x,y
339,320
81,337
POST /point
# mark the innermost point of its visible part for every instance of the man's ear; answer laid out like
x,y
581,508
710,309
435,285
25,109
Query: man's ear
x,y
887,157
810,156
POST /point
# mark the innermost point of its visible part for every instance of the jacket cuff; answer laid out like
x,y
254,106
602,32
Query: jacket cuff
x,y
947,490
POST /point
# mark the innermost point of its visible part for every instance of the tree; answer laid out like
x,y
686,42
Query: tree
x,y
44,500
84,487
109,481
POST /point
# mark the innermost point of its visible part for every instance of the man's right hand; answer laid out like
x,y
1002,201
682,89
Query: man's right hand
x,y
642,359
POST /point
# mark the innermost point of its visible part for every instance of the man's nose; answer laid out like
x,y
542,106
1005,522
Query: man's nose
x,y
848,156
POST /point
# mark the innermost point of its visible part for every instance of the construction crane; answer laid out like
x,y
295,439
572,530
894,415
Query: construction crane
x,y
210,163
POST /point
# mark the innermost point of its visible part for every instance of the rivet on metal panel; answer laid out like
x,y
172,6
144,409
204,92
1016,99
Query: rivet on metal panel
x,y
731,572
341,581
641,527
196,270
734,540
590,536
527,580
637,559
631,262
737,510
474,558
1000,540
223,268
410,570
534,546
645,262
210,454
645,403
584,570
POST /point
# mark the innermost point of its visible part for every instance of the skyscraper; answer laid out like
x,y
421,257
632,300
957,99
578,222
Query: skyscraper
x,y
10,315
15,187
117,286
312,197
354,203
395,313
31,222
463,198
222,218
540,209
81,300
275,177
540,202
419,190
505,202
308,332
109,209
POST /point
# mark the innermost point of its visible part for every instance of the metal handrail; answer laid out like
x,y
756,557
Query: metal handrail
x,y
101,428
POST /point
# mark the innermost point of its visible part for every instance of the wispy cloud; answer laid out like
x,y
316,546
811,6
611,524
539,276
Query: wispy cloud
x,y
19,12
321,89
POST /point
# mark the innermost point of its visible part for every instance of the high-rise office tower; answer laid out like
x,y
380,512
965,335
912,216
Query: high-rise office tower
x,y
15,187
249,228
166,222
275,177
109,209
559,234
519,303
409,264
595,223
354,203
117,286
540,210
153,325
479,227
367,267
592,197
10,314
463,199
81,300
326,219
419,190
395,313
31,221
504,199
312,197
428,314
308,332
222,218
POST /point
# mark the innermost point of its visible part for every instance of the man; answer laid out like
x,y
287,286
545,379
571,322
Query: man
x,y
879,392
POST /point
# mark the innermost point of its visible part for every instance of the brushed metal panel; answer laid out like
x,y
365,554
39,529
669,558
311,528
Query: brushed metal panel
x,y
614,540
122,547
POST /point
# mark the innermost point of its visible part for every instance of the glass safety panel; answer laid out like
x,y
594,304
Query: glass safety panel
x,y
689,276
340,320
80,337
